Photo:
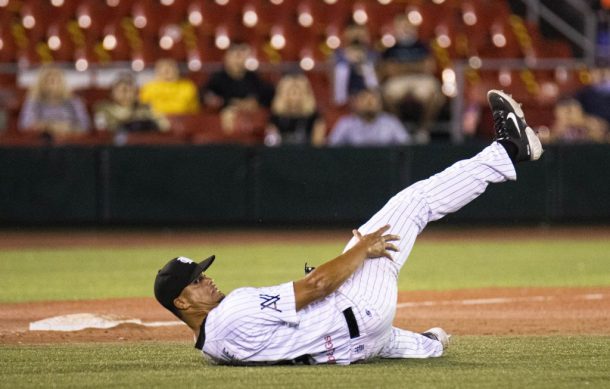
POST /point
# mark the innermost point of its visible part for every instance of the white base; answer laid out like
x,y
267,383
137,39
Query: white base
x,y
81,321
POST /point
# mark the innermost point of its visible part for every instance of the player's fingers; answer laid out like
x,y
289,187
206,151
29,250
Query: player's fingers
x,y
391,247
357,234
391,238
383,229
387,255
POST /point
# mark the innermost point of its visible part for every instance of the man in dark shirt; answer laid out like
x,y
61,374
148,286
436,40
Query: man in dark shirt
x,y
235,90
235,84
407,73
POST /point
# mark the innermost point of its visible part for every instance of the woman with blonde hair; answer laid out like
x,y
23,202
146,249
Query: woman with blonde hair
x,y
51,108
294,114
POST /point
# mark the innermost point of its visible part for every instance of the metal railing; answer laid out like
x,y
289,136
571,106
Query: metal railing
x,y
584,39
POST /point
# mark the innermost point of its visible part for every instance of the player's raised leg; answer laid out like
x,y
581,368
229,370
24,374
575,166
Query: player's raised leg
x,y
412,209
374,285
408,213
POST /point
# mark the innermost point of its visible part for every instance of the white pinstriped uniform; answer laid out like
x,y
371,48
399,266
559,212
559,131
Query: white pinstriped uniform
x,y
260,324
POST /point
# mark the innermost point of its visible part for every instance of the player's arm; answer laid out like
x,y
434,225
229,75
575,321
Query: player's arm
x,y
327,277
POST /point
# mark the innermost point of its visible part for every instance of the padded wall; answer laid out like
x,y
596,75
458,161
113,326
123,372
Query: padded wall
x,y
49,185
212,186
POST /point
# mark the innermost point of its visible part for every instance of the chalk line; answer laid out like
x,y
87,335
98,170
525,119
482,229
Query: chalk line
x,y
494,300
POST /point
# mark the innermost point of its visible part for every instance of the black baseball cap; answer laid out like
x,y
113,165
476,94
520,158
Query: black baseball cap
x,y
177,274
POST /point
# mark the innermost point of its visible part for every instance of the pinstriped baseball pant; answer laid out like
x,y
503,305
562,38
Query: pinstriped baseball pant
x,y
373,287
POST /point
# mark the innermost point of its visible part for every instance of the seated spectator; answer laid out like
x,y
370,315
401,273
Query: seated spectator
x,y
572,125
50,108
167,93
235,88
354,67
407,73
294,115
368,125
475,97
124,112
595,98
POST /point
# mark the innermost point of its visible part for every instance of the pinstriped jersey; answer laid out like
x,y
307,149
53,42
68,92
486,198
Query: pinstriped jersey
x,y
254,325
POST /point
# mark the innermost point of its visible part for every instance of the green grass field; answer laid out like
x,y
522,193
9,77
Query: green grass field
x,y
32,275
472,361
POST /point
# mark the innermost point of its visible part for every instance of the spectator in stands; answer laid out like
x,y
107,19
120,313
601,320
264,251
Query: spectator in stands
x,y
235,88
572,125
368,125
50,108
407,73
354,64
595,98
168,93
475,97
294,115
123,112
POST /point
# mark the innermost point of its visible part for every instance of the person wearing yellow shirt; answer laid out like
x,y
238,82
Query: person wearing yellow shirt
x,y
167,93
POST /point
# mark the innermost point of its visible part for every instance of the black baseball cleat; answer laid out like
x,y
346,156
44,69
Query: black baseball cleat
x,y
510,125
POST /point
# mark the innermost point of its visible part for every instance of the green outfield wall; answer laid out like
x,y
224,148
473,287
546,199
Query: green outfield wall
x,y
220,185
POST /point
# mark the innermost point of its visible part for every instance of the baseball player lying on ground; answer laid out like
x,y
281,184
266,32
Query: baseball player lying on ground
x,y
342,311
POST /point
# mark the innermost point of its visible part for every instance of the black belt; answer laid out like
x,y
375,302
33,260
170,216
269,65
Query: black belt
x,y
352,324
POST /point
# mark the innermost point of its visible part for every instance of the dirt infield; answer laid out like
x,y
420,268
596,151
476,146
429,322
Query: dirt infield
x,y
495,311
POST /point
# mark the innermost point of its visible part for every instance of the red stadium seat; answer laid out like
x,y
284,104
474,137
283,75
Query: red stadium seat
x,y
149,138
92,138
39,11
320,84
60,14
339,13
93,95
333,114
189,125
17,139
8,52
381,14
249,129
215,14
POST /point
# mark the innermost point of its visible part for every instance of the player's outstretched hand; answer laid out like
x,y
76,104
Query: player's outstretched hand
x,y
378,244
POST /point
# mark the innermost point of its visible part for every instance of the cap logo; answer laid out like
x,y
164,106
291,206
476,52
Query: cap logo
x,y
184,260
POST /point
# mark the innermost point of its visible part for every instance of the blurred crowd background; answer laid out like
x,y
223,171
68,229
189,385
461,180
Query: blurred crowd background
x,y
301,72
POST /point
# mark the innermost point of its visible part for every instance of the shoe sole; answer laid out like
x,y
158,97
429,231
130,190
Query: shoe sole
x,y
534,142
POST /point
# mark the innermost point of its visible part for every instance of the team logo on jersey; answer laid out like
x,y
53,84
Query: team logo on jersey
x,y
269,302
330,350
